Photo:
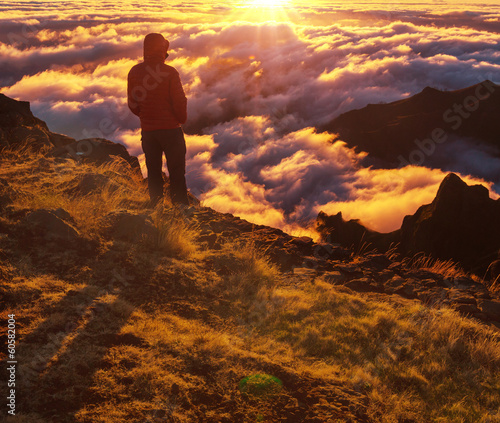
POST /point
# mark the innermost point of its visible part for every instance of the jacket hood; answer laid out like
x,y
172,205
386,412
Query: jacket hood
x,y
155,47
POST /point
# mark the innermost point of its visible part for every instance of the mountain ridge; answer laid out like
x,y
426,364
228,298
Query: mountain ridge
x,y
424,129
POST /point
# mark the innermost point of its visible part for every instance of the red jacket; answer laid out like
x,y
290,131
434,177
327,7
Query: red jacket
x,y
154,89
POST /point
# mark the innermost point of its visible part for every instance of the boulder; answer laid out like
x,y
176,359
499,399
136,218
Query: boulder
x,y
125,226
466,309
96,150
463,282
374,261
53,225
408,290
395,282
303,244
363,285
209,239
285,259
334,277
60,140
490,308
88,183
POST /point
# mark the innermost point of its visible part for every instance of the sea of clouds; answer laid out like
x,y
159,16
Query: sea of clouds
x,y
259,80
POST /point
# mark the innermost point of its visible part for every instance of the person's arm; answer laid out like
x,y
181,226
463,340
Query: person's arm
x,y
179,100
133,105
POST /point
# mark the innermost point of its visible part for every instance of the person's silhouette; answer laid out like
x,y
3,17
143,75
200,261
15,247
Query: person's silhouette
x,y
155,94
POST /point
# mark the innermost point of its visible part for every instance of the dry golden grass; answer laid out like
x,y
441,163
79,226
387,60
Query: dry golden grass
x,y
412,362
447,268
176,237
249,272
495,284
41,182
135,334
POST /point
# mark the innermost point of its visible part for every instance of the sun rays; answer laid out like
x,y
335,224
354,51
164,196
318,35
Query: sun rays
x,y
264,11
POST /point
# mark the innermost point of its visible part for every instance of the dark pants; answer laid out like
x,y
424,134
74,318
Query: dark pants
x,y
172,143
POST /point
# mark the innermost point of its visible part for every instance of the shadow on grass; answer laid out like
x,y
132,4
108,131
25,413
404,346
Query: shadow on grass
x,y
59,357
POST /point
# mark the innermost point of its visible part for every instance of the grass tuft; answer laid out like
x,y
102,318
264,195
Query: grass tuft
x,y
176,238
447,268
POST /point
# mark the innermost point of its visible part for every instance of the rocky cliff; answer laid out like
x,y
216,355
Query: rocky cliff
x,y
461,224
19,128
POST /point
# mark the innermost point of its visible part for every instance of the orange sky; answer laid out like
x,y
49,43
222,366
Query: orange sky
x,y
259,80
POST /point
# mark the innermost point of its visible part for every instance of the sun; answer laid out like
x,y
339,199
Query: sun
x,y
268,3
266,10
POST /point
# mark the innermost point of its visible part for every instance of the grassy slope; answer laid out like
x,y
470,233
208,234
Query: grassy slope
x,y
164,331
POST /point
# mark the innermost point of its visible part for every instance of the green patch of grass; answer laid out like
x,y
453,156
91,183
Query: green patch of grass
x,y
260,385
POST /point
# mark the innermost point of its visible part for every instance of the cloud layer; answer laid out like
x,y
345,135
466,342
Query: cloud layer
x,y
258,82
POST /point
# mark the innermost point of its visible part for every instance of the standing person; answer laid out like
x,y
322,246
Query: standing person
x,y
155,94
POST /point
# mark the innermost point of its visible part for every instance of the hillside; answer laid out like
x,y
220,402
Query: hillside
x,y
129,314
450,130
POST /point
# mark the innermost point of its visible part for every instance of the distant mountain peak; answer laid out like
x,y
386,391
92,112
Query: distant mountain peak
x,y
430,90
404,131
453,191
451,182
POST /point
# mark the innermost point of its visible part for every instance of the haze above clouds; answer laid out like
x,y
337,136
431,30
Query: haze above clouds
x,y
259,80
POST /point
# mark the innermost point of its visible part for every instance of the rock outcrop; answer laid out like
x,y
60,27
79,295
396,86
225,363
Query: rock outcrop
x,y
52,225
95,150
18,127
461,224
352,233
125,226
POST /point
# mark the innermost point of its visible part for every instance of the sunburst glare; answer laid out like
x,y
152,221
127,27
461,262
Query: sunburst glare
x,y
265,3
263,10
